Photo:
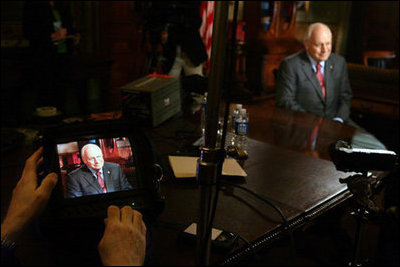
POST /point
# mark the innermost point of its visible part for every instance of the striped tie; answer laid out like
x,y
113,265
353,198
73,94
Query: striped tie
x,y
101,181
321,79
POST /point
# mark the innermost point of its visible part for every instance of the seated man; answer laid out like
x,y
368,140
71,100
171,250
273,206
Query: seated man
x,y
96,176
315,80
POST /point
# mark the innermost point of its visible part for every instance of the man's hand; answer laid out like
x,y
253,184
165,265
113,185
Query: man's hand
x,y
28,200
124,239
60,34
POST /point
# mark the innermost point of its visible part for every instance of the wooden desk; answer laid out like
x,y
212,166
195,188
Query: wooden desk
x,y
302,182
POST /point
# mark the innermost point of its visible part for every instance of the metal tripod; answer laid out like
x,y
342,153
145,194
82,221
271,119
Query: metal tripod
x,y
360,186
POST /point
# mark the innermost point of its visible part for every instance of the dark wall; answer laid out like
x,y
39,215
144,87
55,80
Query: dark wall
x,y
373,25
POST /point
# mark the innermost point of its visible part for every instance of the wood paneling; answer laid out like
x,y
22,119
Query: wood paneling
x,y
381,25
271,45
373,25
122,41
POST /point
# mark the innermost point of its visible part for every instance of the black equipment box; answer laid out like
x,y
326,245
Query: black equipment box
x,y
151,99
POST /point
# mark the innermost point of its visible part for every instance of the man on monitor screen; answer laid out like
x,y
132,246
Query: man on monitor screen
x,y
96,176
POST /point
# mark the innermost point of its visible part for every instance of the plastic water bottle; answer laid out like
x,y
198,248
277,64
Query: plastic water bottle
x,y
242,130
235,116
235,121
235,137
203,114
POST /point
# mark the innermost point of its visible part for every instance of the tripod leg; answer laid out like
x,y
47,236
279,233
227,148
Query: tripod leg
x,y
356,250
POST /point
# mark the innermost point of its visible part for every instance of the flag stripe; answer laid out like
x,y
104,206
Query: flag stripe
x,y
206,29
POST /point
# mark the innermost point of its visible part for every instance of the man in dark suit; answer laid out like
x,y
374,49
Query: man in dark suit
x,y
316,81
322,90
96,176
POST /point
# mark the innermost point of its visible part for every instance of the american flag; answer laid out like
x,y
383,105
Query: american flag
x,y
206,29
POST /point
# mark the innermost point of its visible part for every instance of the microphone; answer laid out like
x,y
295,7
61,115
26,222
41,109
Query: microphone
x,y
349,159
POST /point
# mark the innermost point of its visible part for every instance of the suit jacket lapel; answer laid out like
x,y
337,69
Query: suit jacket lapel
x,y
108,179
310,74
92,181
329,82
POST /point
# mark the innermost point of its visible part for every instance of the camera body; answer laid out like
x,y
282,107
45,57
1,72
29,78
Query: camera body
x,y
123,144
349,159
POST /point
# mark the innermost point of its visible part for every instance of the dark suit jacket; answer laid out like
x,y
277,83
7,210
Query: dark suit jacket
x,y
81,182
297,87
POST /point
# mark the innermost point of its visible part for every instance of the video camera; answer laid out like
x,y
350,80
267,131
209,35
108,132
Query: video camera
x,y
349,159
123,144
361,160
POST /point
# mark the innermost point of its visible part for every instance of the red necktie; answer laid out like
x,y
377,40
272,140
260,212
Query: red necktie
x,y
101,182
320,79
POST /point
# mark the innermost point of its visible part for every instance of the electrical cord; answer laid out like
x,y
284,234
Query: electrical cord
x,y
213,209
249,245
178,226
261,198
276,209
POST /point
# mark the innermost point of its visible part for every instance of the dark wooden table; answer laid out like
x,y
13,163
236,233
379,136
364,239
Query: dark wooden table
x,y
283,167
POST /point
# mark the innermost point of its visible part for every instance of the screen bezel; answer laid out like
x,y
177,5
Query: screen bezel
x,y
141,151
131,177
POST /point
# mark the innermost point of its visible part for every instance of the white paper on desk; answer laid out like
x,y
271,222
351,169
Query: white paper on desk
x,y
192,229
185,167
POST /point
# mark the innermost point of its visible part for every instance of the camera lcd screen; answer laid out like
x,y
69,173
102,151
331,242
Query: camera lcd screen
x,y
96,166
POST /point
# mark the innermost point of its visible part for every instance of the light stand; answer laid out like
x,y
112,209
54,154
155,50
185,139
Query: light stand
x,y
210,157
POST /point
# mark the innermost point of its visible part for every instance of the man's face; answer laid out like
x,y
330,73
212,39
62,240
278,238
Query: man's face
x,y
93,158
319,46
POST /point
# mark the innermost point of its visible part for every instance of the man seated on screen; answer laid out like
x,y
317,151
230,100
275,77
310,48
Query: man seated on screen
x,y
96,176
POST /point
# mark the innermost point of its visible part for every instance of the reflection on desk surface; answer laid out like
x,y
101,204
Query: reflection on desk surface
x,y
284,166
287,167
303,132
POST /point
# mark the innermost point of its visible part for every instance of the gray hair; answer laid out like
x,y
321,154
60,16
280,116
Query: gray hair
x,y
311,28
88,146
